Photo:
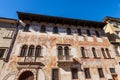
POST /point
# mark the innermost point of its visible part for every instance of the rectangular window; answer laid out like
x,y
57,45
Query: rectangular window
x,y
2,51
8,34
74,73
55,75
112,70
100,71
87,73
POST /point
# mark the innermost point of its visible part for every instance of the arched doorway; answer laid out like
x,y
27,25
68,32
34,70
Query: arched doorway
x,y
27,75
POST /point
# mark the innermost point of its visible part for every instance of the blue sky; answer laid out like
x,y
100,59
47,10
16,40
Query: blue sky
x,y
94,10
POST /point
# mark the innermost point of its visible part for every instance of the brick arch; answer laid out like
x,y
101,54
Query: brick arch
x,y
33,71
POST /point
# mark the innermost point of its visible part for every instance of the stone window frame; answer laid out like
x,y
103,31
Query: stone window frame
x,y
34,51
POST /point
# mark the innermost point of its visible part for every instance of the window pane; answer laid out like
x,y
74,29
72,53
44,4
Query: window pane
x,y
88,33
2,51
83,52
38,51
87,73
107,51
94,52
43,28
100,71
55,75
31,51
112,70
23,51
26,28
79,32
55,30
74,74
97,33
68,31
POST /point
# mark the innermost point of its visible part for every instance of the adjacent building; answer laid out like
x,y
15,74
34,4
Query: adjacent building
x,y
112,30
56,48
8,31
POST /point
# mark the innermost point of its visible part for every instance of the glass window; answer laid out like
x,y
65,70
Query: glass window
x,y
112,70
2,51
74,73
55,74
88,33
97,33
103,52
23,51
38,51
55,30
60,51
26,28
83,52
108,53
94,52
87,73
68,31
31,51
66,51
100,71
79,31
43,29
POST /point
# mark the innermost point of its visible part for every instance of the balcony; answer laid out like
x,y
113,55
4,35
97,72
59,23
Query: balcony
x,y
30,60
63,58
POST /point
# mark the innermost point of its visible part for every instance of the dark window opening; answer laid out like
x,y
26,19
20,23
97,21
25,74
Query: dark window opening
x,y
26,28
112,70
100,71
103,52
74,74
23,51
38,51
43,29
68,31
55,74
97,34
88,33
31,51
79,32
55,30
83,52
108,53
2,51
94,52
87,73
60,51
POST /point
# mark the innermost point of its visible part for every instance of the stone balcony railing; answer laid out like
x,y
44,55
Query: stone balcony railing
x,y
30,60
63,58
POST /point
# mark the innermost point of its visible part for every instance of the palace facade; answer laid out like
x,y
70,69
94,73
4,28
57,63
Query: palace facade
x,y
56,48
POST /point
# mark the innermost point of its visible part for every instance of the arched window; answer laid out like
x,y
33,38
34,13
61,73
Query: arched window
x,y
83,52
24,50
97,33
103,52
66,51
60,51
55,30
108,53
31,51
68,31
43,28
79,31
38,51
26,28
94,52
88,33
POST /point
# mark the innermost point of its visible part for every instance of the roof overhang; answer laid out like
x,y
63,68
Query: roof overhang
x,y
59,20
